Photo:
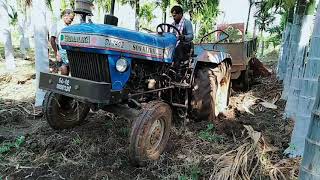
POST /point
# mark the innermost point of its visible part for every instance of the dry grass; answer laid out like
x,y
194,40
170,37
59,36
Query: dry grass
x,y
252,160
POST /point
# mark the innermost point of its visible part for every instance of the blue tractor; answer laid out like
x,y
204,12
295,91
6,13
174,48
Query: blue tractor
x,y
110,65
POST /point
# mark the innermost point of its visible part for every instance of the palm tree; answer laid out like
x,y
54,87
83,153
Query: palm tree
x,y
5,30
286,6
164,4
263,20
146,14
204,11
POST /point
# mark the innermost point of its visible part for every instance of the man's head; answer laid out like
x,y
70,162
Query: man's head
x,y
67,16
177,13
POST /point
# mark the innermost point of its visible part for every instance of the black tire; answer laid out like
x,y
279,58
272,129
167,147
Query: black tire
x,y
141,149
62,112
211,86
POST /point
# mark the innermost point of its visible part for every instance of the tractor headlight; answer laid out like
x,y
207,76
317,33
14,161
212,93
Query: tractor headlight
x,y
122,65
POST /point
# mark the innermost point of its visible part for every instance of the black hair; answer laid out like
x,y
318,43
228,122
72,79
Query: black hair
x,y
66,12
177,9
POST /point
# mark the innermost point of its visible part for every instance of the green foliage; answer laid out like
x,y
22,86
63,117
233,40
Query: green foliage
x,y
274,40
264,16
13,14
124,131
146,12
209,134
104,5
235,35
6,147
193,173
280,4
77,140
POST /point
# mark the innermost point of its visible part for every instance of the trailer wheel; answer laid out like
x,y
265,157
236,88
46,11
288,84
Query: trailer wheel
x,y
62,112
150,133
245,79
211,91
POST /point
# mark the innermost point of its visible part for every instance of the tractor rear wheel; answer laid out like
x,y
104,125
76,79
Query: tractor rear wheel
x,y
211,91
63,112
150,133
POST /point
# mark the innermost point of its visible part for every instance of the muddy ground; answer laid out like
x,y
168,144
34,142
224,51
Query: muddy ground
x,y
98,149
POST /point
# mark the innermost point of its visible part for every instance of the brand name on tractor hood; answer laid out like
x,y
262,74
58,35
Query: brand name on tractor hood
x,y
144,49
75,39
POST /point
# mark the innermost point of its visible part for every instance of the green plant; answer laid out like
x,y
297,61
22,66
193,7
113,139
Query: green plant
x,y
77,140
193,173
108,124
6,147
209,134
124,131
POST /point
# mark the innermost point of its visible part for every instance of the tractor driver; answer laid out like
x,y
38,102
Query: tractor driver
x,y
185,39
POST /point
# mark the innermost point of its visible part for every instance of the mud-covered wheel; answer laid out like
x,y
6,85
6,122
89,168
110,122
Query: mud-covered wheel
x,y
150,133
62,112
211,91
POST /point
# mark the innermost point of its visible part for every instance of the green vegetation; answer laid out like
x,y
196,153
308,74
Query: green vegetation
x,y
7,146
209,134
192,173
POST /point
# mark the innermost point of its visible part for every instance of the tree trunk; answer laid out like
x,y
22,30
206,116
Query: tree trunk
x,y
248,18
137,24
310,168
254,29
296,106
165,16
40,13
262,43
293,45
282,63
6,36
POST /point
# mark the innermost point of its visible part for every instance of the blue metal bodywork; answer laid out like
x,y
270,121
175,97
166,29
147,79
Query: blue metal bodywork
x,y
118,42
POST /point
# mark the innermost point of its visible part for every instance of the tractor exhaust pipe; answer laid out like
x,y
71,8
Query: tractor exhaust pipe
x,y
110,18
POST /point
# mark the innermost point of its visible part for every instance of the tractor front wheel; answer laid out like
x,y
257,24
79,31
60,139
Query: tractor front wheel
x,y
150,133
62,112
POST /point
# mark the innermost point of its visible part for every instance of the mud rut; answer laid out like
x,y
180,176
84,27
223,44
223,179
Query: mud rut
x,y
98,148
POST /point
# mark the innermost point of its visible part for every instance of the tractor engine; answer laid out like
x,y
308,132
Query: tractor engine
x,y
146,76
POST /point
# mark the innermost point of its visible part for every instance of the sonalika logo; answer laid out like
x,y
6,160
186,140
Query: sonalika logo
x,y
75,39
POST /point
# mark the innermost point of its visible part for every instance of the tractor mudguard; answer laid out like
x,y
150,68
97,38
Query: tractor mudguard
x,y
213,57
107,39
206,53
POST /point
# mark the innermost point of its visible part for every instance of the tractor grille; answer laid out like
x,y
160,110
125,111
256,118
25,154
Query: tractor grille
x,y
89,66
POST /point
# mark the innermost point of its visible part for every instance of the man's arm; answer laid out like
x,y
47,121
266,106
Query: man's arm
x,y
189,31
53,37
54,45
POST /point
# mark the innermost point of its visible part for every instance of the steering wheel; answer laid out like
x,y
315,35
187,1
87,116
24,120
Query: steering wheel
x,y
168,30
205,36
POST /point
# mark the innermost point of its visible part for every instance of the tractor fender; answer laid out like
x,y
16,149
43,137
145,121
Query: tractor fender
x,y
215,57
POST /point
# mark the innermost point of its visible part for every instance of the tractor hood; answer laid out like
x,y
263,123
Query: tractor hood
x,y
107,39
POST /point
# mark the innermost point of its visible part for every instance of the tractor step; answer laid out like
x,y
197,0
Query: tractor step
x,y
181,85
179,105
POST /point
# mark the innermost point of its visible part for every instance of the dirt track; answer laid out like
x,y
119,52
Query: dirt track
x,y
98,149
